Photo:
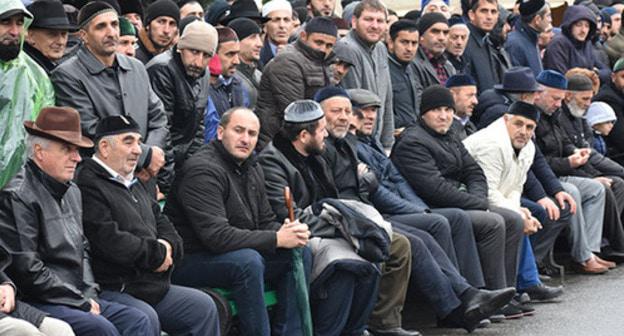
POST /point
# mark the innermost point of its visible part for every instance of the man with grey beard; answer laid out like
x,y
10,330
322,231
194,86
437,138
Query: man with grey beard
x,y
180,80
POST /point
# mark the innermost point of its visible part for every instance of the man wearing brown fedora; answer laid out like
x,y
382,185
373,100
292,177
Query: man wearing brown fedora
x,y
47,34
24,87
41,226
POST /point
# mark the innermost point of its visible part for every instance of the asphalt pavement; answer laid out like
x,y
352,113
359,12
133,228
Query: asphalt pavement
x,y
591,305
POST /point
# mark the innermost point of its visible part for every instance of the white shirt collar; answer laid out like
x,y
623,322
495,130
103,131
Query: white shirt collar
x,y
126,181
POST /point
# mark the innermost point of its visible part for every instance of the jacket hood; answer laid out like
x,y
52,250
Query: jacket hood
x,y
17,5
577,13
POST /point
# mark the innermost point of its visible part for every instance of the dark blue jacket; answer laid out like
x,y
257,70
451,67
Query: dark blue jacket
x,y
492,105
522,47
394,195
541,181
564,52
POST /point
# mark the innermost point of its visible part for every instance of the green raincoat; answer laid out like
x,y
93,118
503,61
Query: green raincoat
x,y
24,90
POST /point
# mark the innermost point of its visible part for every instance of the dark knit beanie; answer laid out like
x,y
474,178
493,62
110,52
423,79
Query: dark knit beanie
x,y
162,8
91,10
216,12
436,96
426,21
244,27
526,110
131,6
530,7
322,25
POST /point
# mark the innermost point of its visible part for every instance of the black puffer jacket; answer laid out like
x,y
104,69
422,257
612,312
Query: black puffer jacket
x,y
219,206
41,226
440,169
184,99
123,225
295,73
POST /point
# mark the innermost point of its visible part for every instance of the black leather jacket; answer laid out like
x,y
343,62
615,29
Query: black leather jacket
x,y
41,225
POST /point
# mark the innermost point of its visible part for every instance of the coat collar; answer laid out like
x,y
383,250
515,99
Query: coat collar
x,y
477,34
57,189
239,168
527,31
312,54
38,57
95,67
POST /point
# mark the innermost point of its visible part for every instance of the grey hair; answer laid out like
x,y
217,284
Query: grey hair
x,y
514,96
32,140
111,139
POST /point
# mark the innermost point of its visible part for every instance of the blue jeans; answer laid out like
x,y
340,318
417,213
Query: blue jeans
x,y
244,272
527,269
182,311
115,319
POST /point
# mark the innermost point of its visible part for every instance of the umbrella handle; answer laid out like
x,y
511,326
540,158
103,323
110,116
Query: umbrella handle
x,y
289,205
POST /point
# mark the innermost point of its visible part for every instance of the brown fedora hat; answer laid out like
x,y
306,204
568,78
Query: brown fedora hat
x,y
60,124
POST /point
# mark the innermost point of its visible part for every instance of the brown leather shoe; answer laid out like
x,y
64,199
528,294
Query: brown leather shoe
x,y
605,263
591,266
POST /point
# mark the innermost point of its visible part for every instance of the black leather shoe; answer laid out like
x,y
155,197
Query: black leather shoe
x,y
611,255
543,293
483,304
395,332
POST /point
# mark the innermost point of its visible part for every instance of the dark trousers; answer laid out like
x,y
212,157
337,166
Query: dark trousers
x,y
433,274
614,204
115,319
514,233
183,311
343,303
244,272
543,240
395,275
489,231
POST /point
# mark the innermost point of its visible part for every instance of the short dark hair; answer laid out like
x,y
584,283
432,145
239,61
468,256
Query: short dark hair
x,y
291,131
402,25
474,4
225,118
375,5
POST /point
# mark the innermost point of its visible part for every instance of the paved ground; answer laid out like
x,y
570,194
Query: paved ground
x,y
591,305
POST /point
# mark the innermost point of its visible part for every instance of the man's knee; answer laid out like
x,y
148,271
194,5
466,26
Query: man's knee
x,y
400,249
55,327
10,326
248,263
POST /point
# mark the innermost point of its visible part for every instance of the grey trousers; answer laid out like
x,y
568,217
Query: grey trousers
x,y
498,234
585,234
10,326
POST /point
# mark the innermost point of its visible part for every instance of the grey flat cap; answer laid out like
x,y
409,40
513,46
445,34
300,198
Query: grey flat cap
x,y
363,98
302,111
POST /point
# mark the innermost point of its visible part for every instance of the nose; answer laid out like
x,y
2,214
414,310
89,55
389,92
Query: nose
x,y
14,29
236,60
75,156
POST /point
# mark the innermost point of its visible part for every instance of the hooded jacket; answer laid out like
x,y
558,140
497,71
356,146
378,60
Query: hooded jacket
x,y
24,90
564,52
521,45
613,96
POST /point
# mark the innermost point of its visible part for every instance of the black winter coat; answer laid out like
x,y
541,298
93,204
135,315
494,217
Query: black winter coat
x,y
613,96
41,226
440,169
219,206
123,225
184,100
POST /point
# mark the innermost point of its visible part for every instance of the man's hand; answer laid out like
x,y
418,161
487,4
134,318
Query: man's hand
x,y
168,257
550,207
157,162
292,235
577,159
584,151
531,225
562,198
362,169
7,298
95,307
605,181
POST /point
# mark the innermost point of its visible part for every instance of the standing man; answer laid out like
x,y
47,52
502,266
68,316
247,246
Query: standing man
x,y
180,79
480,54
24,85
249,36
42,229
160,29
402,48
277,29
431,63
231,239
98,82
134,245
296,74
370,71
521,44
47,34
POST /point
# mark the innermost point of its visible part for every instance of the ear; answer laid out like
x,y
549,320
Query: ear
x,y
220,131
471,15
38,152
353,21
303,35
82,33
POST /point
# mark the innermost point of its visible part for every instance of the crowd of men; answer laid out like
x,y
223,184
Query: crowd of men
x,y
352,164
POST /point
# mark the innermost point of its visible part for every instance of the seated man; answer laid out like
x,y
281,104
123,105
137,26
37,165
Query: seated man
x,y
505,152
231,239
41,226
451,227
134,246
294,159
19,318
